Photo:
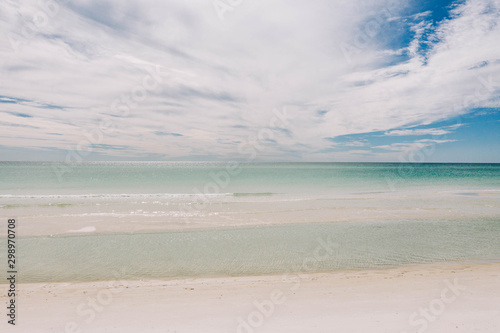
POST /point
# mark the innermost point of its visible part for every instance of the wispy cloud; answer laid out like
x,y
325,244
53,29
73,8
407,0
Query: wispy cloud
x,y
404,147
424,131
220,80
355,144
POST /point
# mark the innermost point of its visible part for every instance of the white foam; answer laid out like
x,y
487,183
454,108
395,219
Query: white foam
x,y
120,195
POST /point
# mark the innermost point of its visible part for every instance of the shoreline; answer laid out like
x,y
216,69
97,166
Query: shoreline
x,y
276,276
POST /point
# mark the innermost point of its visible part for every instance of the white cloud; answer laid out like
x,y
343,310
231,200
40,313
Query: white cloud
x,y
222,79
427,131
424,131
407,147
355,144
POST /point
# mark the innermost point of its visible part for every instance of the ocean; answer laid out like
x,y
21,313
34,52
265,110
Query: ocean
x,y
165,220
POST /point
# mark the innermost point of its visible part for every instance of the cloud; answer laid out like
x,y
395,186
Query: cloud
x,y
360,152
218,82
104,146
406,147
423,131
355,144
166,133
426,131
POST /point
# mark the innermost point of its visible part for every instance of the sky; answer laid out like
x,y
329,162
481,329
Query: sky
x,y
220,80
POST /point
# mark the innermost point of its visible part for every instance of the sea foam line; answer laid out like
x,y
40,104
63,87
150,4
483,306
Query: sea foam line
x,y
121,195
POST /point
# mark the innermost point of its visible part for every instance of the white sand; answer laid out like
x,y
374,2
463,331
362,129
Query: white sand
x,y
50,216
84,230
349,301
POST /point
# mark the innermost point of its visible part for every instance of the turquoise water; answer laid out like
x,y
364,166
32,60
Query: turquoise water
x,y
255,250
176,219
19,178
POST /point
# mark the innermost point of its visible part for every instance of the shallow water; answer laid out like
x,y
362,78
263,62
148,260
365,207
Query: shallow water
x,y
133,220
155,195
255,250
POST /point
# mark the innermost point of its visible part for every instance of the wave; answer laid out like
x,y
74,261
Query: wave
x,y
263,194
130,195
120,195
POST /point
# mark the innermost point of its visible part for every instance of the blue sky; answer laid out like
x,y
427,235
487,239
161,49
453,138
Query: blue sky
x,y
336,81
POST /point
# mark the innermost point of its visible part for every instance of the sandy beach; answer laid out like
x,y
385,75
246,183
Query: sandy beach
x,y
74,214
420,298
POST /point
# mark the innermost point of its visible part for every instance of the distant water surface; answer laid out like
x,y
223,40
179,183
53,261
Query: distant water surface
x,y
30,178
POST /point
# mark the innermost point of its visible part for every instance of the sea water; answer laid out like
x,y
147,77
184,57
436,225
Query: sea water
x,y
255,250
173,220
42,178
